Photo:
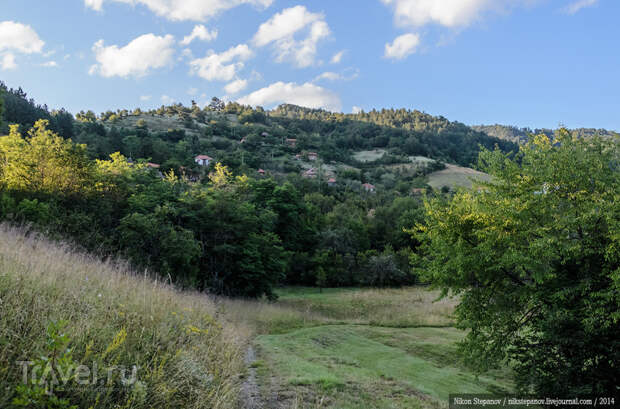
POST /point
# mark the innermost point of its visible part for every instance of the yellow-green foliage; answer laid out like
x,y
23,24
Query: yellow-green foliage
x,y
186,359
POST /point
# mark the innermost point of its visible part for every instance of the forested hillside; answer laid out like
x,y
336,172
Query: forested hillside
x,y
520,135
293,196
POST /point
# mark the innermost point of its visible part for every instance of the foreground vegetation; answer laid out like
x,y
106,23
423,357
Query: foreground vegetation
x,y
362,348
61,309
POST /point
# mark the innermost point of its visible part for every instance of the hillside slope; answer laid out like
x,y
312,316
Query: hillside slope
x,y
71,314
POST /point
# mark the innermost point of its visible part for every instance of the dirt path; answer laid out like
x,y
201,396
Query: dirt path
x,y
250,393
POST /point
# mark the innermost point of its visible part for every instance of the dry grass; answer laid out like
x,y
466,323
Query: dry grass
x,y
456,176
185,358
398,307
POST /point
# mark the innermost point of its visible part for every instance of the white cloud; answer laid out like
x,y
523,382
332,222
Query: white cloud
x,y
236,86
280,30
145,98
20,38
180,10
200,32
337,57
192,91
50,64
448,13
96,5
7,62
402,46
307,95
356,109
223,66
334,76
578,5
166,100
136,59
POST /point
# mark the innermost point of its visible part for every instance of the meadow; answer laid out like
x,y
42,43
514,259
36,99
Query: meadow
x,y
357,348
330,348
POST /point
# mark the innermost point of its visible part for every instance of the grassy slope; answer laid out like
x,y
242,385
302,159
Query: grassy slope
x,y
382,349
185,358
455,176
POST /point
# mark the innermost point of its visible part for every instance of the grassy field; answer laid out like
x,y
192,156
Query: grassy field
x,y
359,348
369,156
455,176
61,308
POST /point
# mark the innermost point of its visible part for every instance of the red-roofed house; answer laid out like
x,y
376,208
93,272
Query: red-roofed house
x,y
368,187
291,142
203,160
153,165
261,172
331,182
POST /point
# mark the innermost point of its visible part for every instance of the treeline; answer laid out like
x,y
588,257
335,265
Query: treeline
x,y
522,135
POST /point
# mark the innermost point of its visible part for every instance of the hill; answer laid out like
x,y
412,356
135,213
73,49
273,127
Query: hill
x,y
521,135
100,335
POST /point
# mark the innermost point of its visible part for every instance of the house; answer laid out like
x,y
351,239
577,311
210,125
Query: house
x,y
298,157
291,142
261,172
312,156
310,173
331,182
368,187
418,191
264,134
203,160
153,165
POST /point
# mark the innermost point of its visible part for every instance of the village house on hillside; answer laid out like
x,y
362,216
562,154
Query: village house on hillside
x,y
312,156
203,160
368,187
310,173
331,182
261,172
291,142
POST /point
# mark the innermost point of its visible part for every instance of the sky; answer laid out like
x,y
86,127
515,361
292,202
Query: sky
x,y
528,63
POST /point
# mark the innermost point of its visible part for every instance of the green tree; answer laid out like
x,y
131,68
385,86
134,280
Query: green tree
x,y
535,256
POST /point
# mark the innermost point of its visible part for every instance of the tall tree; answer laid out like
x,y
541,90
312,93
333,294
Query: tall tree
x,y
534,256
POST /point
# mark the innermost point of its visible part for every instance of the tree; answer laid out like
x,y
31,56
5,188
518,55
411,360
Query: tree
x,y
534,256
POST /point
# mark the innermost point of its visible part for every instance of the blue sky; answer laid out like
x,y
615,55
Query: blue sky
x,y
535,63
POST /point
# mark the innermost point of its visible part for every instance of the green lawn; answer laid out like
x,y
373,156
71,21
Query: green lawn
x,y
390,348
455,176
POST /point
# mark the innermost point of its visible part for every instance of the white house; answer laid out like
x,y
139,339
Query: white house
x,y
203,160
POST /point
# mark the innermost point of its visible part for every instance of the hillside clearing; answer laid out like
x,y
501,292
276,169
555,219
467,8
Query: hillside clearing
x,y
456,176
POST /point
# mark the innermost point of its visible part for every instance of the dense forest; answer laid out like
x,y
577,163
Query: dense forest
x,y
127,182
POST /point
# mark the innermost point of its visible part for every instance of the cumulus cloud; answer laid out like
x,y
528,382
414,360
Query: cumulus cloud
x,y
337,57
166,100
236,86
200,32
402,46
50,64
223,66
136,59
578,5
7,62
281,29
356,110
19,38
308,95
145,98
448,13
180,10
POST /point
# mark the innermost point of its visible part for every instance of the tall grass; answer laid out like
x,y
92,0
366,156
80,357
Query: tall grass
x,y
114,317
